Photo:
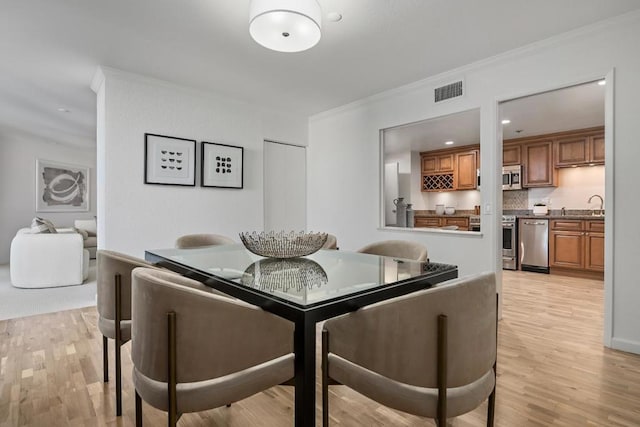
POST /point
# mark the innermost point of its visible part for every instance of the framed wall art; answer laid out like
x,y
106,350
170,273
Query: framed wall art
x,y
169,160
61,187
222,165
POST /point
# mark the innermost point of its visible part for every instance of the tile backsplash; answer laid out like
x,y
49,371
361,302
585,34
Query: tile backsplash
x,y
515,199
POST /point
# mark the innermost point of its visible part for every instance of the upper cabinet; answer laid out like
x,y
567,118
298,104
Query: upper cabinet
x,y
511,155
537,166
541,155
580,150
466,177
450,169
437,163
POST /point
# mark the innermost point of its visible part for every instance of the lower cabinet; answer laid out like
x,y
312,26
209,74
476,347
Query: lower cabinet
x,y
441,221
577,244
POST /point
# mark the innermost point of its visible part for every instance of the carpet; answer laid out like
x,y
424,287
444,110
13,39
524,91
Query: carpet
x,y
17,302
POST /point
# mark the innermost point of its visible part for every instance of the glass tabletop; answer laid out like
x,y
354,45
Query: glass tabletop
x,y
304,281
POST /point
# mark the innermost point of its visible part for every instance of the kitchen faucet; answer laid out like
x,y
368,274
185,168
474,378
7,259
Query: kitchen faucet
x,y
600,211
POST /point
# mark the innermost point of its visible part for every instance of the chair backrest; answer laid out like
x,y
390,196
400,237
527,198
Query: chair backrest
x,y
397,248
398,338
111,263
331,243
215,335
200,240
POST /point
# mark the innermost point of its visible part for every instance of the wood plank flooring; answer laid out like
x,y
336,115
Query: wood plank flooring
x,y
552,371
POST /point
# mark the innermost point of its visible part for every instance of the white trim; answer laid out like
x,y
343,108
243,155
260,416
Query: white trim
x,y
625,345
609,226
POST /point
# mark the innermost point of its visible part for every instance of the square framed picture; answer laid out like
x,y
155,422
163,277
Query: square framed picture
x,y
169,160
61,187
222,165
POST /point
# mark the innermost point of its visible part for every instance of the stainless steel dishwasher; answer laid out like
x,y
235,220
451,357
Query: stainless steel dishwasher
x,y
534,244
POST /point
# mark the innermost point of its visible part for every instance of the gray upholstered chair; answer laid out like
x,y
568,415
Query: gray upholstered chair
x,y
114,308
199,240
331,243
194,350
397,248
431,353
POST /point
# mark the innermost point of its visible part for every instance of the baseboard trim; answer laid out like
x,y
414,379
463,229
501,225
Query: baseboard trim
x,y
625,345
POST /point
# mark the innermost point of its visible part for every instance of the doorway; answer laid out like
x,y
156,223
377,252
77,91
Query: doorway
x,y
560,140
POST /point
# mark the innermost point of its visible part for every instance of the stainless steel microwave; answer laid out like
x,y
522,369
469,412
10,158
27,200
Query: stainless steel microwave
x,y
512,177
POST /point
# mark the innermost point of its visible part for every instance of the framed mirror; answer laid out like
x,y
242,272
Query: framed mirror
x,y
431,174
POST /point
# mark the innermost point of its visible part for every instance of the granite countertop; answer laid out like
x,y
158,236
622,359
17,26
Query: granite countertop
x,y
576,214
529,216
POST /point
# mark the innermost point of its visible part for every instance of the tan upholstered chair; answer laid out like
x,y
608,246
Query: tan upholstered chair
x,y
331,243
397,248
199,240
114,308
431,353
193,350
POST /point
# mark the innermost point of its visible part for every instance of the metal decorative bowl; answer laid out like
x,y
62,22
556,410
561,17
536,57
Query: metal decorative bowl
x,y
282,244
293,274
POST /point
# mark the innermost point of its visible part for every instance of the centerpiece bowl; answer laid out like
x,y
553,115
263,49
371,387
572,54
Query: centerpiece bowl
x,y
281,244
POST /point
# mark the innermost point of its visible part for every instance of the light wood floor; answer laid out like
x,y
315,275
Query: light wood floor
x,y
552,370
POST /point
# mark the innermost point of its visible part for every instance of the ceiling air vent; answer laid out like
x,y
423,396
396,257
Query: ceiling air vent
x,y
449,91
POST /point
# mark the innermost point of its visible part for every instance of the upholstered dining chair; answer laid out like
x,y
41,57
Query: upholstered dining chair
x,y
194,350
431,353
114,308
199,240
398,249
331,243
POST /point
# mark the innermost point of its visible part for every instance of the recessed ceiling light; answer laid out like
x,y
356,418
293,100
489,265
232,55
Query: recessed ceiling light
x,y
602,82
64,110
334,17
506,121
448,143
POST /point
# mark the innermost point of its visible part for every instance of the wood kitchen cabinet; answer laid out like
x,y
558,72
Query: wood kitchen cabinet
x,y
538,164
450,169
438,163
466,171
511,155
580,150
577,245
441,221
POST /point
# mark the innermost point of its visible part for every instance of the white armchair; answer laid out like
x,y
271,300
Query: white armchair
x,y
47,260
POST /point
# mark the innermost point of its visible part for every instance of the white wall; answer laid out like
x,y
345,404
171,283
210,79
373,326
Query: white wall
x,y
135,216
347,201
18,154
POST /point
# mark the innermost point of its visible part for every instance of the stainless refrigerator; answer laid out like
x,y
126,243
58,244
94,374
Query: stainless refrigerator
x,y
534,244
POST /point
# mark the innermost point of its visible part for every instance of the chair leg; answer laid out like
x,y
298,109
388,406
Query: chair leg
x,y
442,371
118,321
491,404
138,410
172,383
105,358
325,378
491,407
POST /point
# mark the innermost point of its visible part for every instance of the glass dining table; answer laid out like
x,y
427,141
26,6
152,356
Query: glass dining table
x,y
303,290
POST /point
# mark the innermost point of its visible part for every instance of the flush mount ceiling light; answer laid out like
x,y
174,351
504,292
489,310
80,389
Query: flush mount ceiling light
x,y
448,143
285,25
506,121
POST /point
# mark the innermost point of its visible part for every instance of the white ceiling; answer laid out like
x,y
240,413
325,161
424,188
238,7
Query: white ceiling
x,y
576,107
50,50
